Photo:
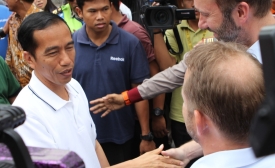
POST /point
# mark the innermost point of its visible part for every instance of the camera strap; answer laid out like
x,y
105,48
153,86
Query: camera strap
x,y
180,46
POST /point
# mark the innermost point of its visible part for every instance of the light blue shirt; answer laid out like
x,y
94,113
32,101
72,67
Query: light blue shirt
x,y
240,158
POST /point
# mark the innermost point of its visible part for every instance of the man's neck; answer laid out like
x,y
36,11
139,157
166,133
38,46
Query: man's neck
x,y
256,25
193,24
59,90
99,38
22,11
217,144
116,16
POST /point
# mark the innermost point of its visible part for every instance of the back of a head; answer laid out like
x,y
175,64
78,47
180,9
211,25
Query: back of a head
x,y
28,1
35,21
226,84
261,7
115,3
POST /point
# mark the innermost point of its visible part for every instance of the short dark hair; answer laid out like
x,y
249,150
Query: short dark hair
x,y
35,21
115,4
80,3
29,1
229,99
262,7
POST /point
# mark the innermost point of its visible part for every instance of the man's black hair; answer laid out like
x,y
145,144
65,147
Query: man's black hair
x,y
115,4
80,3
29,1
35,21
50,6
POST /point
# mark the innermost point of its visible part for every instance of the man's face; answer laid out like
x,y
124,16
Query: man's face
x,y
96,14
211,18
73,5
40,3
54,56
187,114
11,4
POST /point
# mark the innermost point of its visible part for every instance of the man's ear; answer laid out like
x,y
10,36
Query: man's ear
x,y
29,58
201,122
79,12
241,12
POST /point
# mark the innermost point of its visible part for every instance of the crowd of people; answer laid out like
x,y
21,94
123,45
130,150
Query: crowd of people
x,y
64,65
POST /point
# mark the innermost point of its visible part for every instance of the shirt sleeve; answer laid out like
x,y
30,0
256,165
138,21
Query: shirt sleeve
x,y
145,40
11,82
139,65
163,82
173,43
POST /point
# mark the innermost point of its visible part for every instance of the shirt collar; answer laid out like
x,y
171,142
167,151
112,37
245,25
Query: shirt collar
x,y
255,50
47,96
113,38
123,21
234,158
184,24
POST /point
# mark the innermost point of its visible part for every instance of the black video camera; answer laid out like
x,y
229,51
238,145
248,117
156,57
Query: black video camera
x,y
165,16
262,135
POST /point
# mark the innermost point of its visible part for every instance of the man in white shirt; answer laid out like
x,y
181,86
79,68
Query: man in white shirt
x,y
55,104
222,93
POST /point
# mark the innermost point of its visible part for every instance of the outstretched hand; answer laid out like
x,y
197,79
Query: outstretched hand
x,y
107,104
153,159
176,153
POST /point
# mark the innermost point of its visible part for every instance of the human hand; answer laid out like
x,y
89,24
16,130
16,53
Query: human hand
x,y
6,26
159,127
176,153
146,146
155,4
107,104
153,159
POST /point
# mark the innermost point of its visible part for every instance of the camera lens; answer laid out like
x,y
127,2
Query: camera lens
x,y
161,16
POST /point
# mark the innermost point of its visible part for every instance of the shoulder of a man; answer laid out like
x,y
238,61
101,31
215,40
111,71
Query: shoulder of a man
x,y
25,100
127,37
74,83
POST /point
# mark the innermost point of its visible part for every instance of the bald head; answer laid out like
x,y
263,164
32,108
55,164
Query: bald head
x,y
226,84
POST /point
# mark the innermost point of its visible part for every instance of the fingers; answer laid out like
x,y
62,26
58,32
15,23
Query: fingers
x,y
106,113
158,150
171,163
169,152
98,108
155,4
96,101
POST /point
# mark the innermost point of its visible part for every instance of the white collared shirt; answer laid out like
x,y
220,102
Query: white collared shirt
x,y
55,123
255,50
241,158
125,10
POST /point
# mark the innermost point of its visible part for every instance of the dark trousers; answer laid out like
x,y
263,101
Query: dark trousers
x,y
179,133
117,153
180,136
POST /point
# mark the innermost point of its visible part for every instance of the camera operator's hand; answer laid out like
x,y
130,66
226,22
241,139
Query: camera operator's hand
x,y
155,4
